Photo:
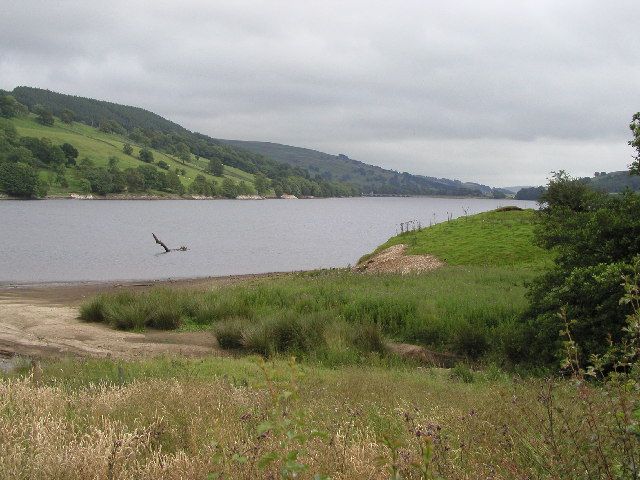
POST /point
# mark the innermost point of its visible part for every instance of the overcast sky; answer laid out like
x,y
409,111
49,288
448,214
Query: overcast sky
x,y
500,92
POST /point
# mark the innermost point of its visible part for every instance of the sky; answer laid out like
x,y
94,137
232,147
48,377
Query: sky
x,y
499,92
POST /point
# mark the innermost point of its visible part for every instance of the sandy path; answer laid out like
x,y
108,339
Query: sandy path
x,y
42,321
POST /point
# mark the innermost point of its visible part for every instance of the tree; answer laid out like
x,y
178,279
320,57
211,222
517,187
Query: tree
x,y
229,188
146,155
134,180
100,179
164,165
67,116
594,238
21,180
261,183
174,184
70,153
215,167
183,152
10,107
634,168
45,117
127,149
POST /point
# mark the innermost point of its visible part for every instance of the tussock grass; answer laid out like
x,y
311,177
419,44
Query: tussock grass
x,y
470,311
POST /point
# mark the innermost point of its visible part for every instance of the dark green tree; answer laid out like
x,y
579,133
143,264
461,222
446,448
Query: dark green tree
x,y
261,183
70,153
634,168
594,238
20,180
127,149
215,167
146,155
229,188
67,116
45,117
10,107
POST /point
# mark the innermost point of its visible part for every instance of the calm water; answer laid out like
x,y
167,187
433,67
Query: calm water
x,y
71,240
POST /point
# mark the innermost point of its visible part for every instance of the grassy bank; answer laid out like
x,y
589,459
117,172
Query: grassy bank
x,y
239,418
496,238
335,316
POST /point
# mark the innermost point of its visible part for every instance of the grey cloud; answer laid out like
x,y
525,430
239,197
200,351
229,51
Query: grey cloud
x,y
490,90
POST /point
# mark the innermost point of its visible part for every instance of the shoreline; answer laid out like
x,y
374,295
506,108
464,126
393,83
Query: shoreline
x,y
87,287
91,197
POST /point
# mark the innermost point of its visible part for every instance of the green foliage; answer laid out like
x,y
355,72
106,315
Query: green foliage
x,y
127,149
10,107
67,116
594,238
261,183
530,193
635,143
215,167
201,186
229,188
20,180
45,116
70,153
146,155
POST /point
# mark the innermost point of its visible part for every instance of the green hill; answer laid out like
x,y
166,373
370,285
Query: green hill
x,y
109,124
369,178
500,237
99,147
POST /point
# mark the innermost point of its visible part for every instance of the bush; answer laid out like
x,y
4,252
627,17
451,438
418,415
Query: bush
x,y
93,310
230,333
367,338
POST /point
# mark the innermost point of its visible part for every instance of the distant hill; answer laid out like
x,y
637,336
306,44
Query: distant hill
x,y
294,170
146,128
612,182
369,178
615,182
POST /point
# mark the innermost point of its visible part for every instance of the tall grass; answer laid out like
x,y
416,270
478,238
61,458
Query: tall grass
x,y
469,311
220,418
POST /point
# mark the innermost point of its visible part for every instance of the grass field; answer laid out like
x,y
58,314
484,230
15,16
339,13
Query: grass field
x,y
100,146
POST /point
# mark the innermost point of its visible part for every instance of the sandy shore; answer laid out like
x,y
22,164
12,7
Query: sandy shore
x,y
42,321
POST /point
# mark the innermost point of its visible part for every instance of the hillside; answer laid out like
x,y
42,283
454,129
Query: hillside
x,y
293,170
97,148
369,178
612,182
148,129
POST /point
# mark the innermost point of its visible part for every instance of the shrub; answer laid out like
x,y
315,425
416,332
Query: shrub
x,y
93,310
367,338
230,333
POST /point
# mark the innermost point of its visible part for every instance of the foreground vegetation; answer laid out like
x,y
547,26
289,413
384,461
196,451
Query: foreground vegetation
x,y
241,418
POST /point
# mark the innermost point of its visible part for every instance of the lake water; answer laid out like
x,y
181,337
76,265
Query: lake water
x,y
75,240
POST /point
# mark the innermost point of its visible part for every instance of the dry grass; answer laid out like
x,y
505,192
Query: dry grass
x,y
205,419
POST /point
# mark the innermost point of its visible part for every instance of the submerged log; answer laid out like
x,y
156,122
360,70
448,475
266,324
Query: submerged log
x,y
167,249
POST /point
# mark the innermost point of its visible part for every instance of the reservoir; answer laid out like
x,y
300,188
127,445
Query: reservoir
x,y
110,240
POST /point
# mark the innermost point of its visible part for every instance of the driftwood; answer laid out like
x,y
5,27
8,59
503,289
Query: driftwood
x,y
167,249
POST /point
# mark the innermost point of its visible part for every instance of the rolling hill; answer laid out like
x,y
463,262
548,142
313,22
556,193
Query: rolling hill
x,y
369,178
288,169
